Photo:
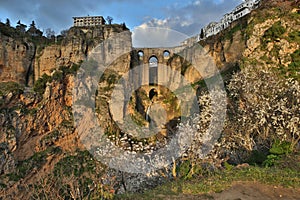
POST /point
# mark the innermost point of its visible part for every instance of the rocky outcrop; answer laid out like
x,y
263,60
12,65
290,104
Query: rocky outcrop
x,y
24,60
73,49
31,124
16,59
226,48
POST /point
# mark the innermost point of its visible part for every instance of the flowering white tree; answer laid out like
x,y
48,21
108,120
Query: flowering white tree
x,y
206,126
262,107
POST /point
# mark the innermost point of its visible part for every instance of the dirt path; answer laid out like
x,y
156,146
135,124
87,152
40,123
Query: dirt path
x,y
245,191
252,190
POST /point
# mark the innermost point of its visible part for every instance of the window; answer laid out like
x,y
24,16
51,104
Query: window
x,y
166,54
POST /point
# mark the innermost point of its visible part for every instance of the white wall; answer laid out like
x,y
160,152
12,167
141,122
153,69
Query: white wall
x,y
240,11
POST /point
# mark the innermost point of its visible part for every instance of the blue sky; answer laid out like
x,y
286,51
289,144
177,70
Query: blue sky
x,y
185,16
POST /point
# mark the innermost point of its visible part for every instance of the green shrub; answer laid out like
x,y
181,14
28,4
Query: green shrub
x,y
281,147
275,31
293,69
36,161
296,57
294,36
40,85
69,70
271,160
57,76
2,185
75,164
13,87
50,138
257,157
278,148
184,169
239,27
228,166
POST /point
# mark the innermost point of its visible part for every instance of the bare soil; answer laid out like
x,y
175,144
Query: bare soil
x,y
245,191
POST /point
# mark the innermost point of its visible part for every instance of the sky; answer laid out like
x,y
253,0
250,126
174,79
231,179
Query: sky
x,y
186,17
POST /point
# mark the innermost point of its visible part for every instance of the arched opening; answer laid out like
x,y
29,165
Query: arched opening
x,y
153,61
152,93
140,55
166,54
153,64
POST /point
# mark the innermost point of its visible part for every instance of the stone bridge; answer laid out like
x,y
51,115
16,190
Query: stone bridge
x,y
156,70
152,72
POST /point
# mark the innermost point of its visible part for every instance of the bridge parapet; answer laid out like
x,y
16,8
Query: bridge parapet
x,y
161,54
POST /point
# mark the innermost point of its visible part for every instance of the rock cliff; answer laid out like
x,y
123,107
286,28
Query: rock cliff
x,y
24,59
39,145
16,59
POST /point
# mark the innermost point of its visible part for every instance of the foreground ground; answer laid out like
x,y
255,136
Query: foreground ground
x,y
244,191
244,182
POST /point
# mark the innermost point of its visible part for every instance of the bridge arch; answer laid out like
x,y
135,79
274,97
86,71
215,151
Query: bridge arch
x,y
152,93
166,54
153,61
141,55
153,71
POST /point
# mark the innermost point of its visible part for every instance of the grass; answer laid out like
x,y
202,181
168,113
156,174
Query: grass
x,y
285,173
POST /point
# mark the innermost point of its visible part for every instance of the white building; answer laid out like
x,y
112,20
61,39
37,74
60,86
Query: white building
x,y
240,11
88,21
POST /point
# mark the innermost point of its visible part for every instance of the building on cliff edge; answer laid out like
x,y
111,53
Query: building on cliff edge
x,y
240,11
215,27
88,21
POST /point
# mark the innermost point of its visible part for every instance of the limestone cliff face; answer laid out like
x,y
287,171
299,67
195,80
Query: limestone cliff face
x,y
268,36
31,124
227,47
24,61
73,49
16,59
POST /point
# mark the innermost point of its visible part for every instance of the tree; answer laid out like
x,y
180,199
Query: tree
x,y
109,19
33,30
32,25
265,107
64,33
49,33
124,26
7,22
202,34
21,27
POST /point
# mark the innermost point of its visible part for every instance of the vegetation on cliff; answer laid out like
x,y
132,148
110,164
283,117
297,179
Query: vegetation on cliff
x,y
42,157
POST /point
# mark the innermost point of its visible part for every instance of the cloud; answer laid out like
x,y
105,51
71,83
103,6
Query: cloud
x,y
184,19
189,19
153,37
